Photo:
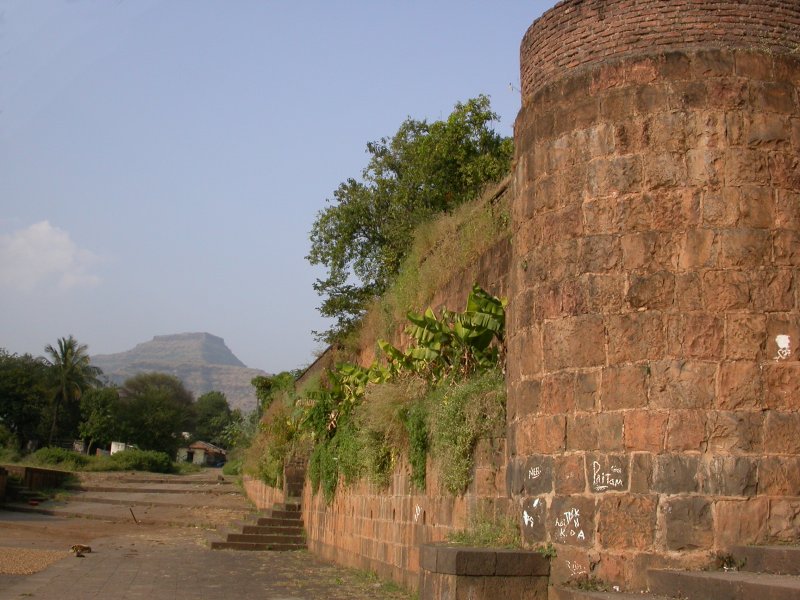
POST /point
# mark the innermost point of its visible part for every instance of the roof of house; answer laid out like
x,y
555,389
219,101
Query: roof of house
x,y
208,447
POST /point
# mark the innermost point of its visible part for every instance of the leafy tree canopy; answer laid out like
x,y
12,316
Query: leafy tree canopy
x,y
100,420
212,415
269,387
25,393
155,410
424,169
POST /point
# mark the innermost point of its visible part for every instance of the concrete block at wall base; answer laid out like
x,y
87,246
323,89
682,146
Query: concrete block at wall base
x,y
452,572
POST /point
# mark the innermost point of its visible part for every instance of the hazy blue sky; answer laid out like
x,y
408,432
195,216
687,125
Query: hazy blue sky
x,y
162,161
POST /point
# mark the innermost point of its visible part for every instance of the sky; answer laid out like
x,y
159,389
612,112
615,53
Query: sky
x,y
162,161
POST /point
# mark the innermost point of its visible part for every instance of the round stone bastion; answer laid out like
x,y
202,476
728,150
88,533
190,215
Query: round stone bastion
x,y
654,331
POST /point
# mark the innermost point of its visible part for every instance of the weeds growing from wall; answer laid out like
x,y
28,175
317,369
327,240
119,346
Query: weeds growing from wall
x,y
460,415
442,248
488,530
416,422
438,398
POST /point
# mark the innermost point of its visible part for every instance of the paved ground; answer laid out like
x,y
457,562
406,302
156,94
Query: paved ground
x,y
159,559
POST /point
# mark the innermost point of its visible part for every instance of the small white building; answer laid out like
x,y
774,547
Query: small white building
x,y
120,447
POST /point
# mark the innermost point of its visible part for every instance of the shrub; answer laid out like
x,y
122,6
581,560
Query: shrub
x,y
348,446
323,471
233,467
128,460
59,457
272,446
141,460
383,422
9,455
460,415
7,439
418,442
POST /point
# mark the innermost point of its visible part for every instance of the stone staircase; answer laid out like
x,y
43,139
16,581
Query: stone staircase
x,y
280,529
16,491
761,572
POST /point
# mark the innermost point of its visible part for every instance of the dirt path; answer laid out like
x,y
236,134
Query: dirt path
x,y
165,556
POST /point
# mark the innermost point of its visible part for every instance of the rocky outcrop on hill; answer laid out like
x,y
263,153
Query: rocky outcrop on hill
x,y
201,360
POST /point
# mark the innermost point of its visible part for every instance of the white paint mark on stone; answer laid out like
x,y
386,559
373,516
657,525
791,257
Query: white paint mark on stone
x,y
575,568
602,480
784,344
570,525
534,472
417,513
527,519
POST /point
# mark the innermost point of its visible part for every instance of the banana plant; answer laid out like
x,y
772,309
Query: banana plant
x,y
456,343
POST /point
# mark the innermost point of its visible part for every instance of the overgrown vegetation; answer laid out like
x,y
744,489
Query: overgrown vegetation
x,y
272,437
441,248
547,550
460,415
487,530
437,398
390,241
128,460
424,170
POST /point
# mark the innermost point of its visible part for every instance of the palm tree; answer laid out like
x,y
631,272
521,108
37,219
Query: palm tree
x,y
72,374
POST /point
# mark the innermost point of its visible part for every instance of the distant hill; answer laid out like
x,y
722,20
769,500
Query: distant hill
x,y
201,360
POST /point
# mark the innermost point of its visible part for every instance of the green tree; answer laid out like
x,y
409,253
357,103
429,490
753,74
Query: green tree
x,y
100,416
424,169
270,387
155,410
212,416
24,396
240,431
72,375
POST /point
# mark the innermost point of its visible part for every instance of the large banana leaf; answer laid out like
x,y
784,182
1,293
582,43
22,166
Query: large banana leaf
x,y
424,353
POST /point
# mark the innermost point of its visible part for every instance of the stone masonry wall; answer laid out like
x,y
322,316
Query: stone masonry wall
x,y
261,495
584,33
654,330
382,529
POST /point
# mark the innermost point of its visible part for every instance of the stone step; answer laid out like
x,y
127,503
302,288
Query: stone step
x,y
256,547
285,514
783,560
177,480
567,593
281,530
129,501
150,490
272,521
17,491
266,538
259,530
724,585
24,494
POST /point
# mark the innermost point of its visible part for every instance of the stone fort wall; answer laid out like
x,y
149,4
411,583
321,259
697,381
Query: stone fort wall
x,y
586,33
381,529
654,330
654,286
